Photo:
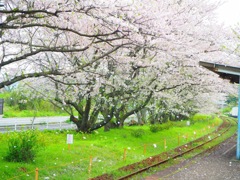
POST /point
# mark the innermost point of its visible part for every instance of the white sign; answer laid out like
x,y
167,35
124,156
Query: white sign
x,y
69,138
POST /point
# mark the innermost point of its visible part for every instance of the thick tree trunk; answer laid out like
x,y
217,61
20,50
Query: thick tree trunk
x,y
110,125
141,116
82,125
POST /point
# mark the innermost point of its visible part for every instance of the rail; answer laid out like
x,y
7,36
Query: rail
x,y
140,167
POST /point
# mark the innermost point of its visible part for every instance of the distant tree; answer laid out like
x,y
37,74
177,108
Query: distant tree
x,y
232,100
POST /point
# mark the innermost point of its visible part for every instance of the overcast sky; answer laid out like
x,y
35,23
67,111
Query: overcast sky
x,y
229,12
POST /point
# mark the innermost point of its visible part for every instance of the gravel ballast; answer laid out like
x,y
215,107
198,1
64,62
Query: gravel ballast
x,y
219,164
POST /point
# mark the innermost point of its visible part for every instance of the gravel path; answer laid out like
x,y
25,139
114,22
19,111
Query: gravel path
x,y
220,164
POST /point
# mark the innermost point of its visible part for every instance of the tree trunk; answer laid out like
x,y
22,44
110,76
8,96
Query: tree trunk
x,y
109,126
82,125
141,116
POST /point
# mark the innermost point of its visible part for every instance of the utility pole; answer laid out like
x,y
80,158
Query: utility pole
x,y
238,134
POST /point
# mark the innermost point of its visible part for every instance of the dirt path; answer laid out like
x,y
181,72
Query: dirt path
x,y
220,164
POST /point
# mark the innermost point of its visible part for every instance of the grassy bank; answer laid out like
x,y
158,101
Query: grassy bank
x,y
105,150
12,112
17,104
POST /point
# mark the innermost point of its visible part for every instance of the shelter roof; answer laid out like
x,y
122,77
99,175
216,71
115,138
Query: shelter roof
x,y
231,73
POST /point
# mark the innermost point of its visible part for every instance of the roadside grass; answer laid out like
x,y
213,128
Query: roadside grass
x,y
12,112
107,151
17,105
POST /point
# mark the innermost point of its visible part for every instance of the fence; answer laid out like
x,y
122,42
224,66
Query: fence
x,y
42,123
87,166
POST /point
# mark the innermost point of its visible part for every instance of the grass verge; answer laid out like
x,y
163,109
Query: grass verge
x,y
101,152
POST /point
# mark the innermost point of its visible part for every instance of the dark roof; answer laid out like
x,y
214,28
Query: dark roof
x,y
226,72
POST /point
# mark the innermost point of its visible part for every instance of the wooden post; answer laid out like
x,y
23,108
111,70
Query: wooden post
x,y
60,125
69,146
165,144
124,154
144,149
90,165
178,140
36,174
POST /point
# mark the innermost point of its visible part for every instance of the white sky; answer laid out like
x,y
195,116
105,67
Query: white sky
x,y
229,12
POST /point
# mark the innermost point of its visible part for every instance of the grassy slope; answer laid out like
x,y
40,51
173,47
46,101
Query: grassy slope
x,y
12,112
106,149
42,108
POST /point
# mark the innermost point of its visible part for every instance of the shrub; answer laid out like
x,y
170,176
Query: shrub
x,y
200,118
167,125
226,109
138,133
159,127
181,123
155,128
22,146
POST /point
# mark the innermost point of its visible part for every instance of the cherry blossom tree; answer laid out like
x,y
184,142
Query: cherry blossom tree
x,y
67,41
111,58
41,38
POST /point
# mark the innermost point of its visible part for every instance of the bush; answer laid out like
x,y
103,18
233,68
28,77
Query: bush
x,y
22,146
138,133
226,109
159,127
155,128
200,118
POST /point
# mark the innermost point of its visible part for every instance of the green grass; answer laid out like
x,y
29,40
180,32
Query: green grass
x,y
12,112
55,161
14,106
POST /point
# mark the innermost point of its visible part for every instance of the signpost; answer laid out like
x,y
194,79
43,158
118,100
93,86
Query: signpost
x,y
69,140
233,74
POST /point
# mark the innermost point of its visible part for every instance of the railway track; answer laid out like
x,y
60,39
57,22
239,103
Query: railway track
x,y
163,158
201,166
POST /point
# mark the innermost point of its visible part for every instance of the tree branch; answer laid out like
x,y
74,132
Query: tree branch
x,y
25,76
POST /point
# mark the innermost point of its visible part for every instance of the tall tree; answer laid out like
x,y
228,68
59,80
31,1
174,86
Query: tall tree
x,y
111,58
